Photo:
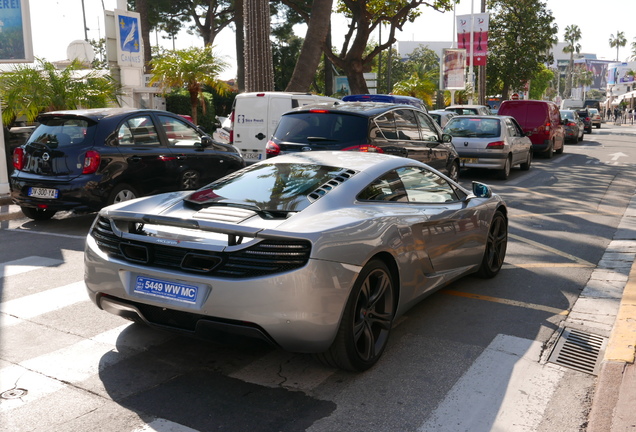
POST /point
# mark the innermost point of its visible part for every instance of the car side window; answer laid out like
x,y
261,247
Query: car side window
x,y
386,124
424,186
385,188
138,131
406,125
428,130
512,130
179,133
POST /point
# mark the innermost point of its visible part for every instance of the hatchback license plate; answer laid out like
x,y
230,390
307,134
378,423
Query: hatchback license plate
x,y
252,156
37,192
166,289
469,160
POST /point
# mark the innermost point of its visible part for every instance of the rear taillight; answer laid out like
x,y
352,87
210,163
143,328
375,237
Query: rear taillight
x,y
496,145
91,162
547,128
367,148
18,158
272,149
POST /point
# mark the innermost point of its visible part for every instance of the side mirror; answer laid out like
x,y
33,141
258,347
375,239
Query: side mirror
x,y
447,138
481,190
206,141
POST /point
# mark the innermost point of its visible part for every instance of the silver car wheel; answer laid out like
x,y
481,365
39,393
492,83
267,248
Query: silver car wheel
x,y
364,330
496,245
121,193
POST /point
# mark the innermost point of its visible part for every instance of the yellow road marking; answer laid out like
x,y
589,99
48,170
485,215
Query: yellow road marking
x,y
573,213
542,308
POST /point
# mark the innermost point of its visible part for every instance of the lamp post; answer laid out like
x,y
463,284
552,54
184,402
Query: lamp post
x,y
85,28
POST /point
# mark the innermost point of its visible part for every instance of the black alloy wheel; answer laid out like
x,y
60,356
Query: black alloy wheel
x,y
368,316
496,245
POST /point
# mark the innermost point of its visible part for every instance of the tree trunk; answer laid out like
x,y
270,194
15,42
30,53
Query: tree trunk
x,y
309,57
142,9
240,45
259,67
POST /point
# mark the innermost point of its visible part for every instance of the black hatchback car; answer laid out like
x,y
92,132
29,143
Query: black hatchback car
x,y
395,129
84,160
586,118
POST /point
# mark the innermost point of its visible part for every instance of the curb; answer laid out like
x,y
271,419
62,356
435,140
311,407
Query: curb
x,y
8,210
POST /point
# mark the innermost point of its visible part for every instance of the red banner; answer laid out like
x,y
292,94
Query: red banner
x,y
480,37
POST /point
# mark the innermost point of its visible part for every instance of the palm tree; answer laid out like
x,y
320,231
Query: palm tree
x,y
633,57
259,66
572,37
618,41
28,91
189,68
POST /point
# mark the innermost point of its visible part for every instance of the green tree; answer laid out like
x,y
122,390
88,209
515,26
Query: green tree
x,y
365,16
540,82
190,68
29,90
521,34
572,37
617,41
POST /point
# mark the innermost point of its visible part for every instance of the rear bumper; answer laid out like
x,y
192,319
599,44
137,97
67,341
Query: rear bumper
x,y
81,193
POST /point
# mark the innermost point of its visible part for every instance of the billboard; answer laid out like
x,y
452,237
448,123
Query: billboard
x,y
478,25
454,69
16,44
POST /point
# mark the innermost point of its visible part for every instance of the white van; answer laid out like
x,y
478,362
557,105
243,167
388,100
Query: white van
x,y
568,104
256,115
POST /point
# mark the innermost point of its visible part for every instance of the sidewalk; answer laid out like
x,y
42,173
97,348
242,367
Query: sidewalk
x,y
8,211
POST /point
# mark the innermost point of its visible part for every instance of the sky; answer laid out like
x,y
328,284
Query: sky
x,y
56,23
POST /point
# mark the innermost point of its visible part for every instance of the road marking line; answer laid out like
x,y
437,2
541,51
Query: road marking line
x,y
71,236
23,265
552,250
525,305
43,302
505,389
161,425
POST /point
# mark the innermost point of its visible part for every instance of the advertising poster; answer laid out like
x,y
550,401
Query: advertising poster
x,y
129,45
454,69
618,73
480,36
16,45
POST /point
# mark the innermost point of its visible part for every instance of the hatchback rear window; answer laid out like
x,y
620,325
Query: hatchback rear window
x,y
314,127
60,132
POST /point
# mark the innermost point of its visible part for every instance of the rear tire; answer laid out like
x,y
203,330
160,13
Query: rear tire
x,y
505,172
122,192
366,322
496,245
38,214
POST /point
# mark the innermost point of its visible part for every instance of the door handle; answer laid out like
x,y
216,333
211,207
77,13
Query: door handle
x,y
260,136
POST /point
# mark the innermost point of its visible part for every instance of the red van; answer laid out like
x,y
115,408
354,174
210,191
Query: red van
x,y
541,121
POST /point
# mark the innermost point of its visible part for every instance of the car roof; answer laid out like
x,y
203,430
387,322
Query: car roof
x,y
98,113
359,161
466,106
366,109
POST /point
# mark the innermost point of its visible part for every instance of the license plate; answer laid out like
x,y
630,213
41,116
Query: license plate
x,y
167,289
469,160
43,193
252,156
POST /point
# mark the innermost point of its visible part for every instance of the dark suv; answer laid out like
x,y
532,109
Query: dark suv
x,y
586,118
395,129
86,159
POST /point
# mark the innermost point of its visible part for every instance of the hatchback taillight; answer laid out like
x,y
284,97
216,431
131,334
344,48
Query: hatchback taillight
x,y
367,148
232,127
91,162
272,149
18,158
496,145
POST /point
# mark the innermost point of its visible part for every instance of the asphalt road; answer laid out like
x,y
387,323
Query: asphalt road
x,y
472,357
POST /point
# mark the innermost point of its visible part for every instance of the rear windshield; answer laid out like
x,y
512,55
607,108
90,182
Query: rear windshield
x,y
314,127
60,132
473,127
268,187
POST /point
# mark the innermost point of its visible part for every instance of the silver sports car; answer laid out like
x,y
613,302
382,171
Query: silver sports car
x,y
314,252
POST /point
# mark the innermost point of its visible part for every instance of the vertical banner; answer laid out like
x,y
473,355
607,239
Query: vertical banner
x,y
479,29
129,45
454,69
16,45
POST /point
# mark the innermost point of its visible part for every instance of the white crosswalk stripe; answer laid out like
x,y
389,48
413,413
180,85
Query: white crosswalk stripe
x,y
24,265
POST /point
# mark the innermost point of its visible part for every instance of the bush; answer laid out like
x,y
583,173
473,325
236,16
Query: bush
x,y
178,102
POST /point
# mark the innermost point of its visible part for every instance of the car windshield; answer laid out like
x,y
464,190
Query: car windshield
x,y
312,127
60,132
473,127
271,187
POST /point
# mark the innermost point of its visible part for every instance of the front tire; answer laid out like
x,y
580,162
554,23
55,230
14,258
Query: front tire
x,y
453,172
366,322
496,245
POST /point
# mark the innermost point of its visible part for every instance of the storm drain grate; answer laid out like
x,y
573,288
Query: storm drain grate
x,y
578,350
